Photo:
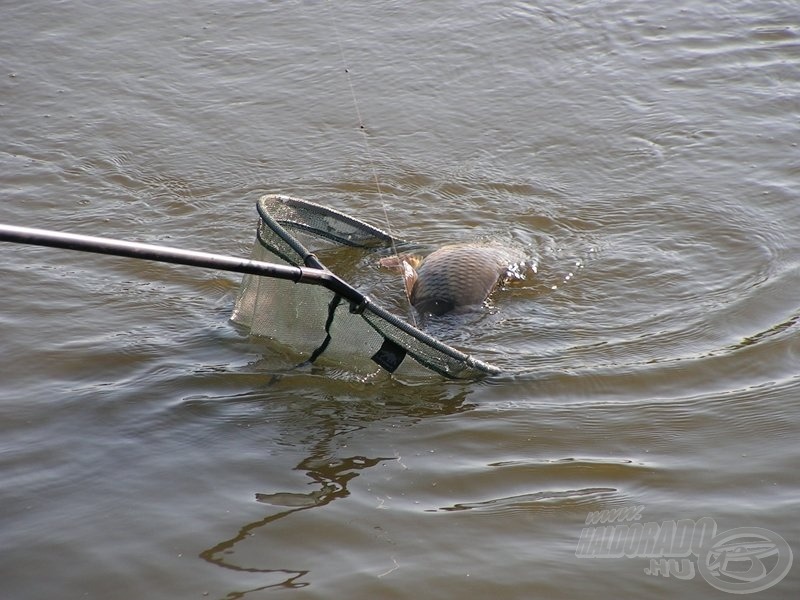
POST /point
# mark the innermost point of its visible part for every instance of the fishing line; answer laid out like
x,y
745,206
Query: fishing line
x,y
365,135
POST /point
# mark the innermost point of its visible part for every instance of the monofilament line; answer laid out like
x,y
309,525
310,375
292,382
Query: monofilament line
x,y
368,148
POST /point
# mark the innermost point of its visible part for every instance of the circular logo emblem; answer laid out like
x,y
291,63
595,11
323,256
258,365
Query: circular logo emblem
x,y
745,560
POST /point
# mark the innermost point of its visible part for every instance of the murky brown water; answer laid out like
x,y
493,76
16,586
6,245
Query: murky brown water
x,y
648,152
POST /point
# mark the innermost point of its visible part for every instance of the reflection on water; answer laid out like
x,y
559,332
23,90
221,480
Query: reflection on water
x,y
329,473
332,477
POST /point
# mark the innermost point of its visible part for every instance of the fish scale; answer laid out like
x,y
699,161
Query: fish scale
x,y
459,275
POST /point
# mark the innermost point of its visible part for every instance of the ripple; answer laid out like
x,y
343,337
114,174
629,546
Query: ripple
x,y
548,501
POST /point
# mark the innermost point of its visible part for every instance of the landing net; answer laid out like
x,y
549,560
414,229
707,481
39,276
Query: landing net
x,y
341,327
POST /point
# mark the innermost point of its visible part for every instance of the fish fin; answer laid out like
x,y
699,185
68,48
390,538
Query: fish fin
x,y
409,275
398,262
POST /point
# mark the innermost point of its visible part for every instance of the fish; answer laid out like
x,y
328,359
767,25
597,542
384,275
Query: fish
x,y
456,276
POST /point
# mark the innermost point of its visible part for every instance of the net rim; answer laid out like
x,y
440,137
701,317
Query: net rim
x,y
364,302
292,201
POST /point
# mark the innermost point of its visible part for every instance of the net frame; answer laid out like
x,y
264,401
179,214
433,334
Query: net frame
x,y
357,330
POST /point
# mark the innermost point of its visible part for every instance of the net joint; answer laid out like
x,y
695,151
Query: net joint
x,y
357,308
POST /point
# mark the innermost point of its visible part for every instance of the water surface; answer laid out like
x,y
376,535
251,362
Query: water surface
x,y
645,152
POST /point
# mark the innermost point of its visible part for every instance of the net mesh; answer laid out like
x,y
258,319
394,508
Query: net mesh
x,y
318,324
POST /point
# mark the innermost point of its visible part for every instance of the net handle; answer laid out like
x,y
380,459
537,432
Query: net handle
x,y
191,258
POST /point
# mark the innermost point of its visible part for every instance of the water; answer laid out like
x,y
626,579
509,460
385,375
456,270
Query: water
x,y
646,151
